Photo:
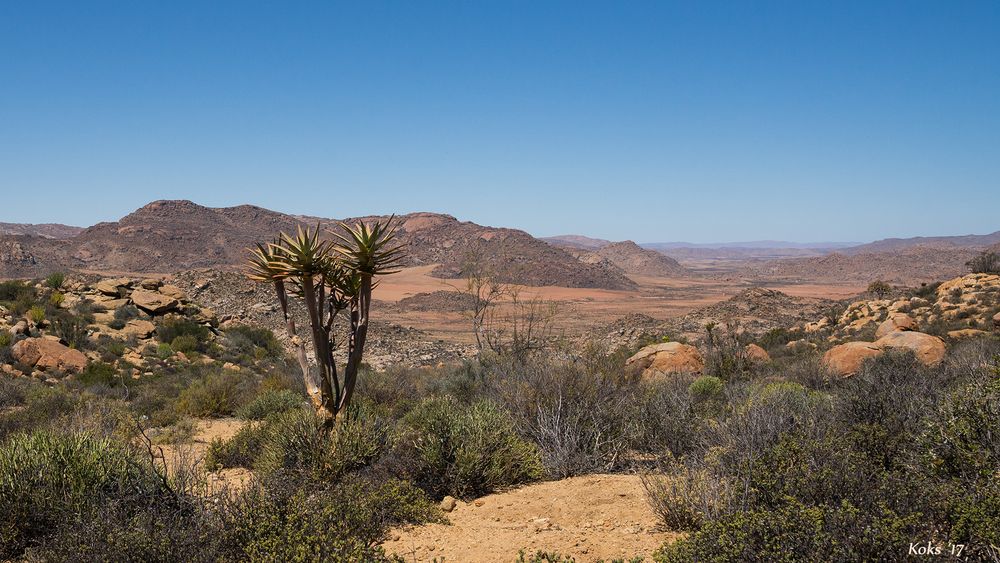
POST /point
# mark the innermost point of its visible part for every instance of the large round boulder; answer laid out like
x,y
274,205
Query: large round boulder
x,y
928,349
846,359
48,355
657,360
755,353
895,322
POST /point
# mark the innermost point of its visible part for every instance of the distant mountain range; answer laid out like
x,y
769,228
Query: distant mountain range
x,y
169,236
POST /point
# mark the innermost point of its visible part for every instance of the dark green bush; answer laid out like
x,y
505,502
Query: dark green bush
x,y
15,290
253,342
170,328
185,344
99,373
123,315
466,451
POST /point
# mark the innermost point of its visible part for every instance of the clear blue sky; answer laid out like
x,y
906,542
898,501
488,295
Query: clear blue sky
x,y
656,121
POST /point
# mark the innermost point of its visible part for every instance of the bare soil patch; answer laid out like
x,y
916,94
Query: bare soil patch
x,y
591,517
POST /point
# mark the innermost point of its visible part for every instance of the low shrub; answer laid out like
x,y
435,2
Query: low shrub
x,y
685,497
268,403
185,344
466,451
123,315
214,394
47,479
253,342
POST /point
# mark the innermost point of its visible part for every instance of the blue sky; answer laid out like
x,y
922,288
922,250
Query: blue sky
x,y
654,121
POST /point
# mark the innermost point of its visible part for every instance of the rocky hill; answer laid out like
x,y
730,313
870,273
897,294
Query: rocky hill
x,y
45,230
633,259
169,236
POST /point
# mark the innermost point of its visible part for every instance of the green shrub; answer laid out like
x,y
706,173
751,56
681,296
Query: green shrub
x,y
164,351
47,479
36,313
341,523
5,338
185,344
797,532
961,440
72,329
56,299
268,403
99,373
55,280
215,394
706,388
467,451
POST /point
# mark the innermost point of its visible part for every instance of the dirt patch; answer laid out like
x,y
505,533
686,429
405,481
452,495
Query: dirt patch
x,y
590,518
193,453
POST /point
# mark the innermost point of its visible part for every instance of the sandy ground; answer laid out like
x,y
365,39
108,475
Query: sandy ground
x,y
192,454
591,517
580,309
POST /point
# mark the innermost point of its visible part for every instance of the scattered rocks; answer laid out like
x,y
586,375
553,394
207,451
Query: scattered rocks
x,y
114,287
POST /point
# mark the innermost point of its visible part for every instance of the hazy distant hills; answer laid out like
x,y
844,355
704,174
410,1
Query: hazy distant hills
x,y
45,230
169,236
895,244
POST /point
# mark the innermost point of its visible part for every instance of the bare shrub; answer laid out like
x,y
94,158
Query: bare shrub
x,y
685,497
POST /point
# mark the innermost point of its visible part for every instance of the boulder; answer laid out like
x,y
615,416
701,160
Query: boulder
x,y
845,360
20,327
928,349
153,302
669,357
139,328
174,292
49,355
756,353
896,321
114,287
448,503
151,284
996,320
112,304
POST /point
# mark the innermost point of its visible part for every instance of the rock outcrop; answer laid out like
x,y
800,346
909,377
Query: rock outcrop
x,y
928,349
48,355
657,360
846,359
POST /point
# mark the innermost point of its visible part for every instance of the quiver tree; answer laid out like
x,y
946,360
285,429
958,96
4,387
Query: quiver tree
x,y
329,277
